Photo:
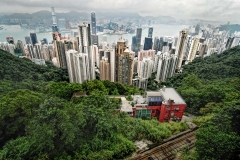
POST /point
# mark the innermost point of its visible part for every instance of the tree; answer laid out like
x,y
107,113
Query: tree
x,y
219,137
115,92
56,129
17,110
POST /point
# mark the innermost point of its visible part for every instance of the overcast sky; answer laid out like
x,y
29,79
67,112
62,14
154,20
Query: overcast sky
x,y
219,10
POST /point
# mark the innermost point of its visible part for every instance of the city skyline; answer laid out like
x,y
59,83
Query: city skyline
x,y
224,10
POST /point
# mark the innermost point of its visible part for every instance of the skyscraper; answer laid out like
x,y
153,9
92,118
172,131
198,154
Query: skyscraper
x,y
77,64
160,47
138,40
124,63
45,41
107,64
30,51
93,23
19,49
145,68
94,39
150,32
27,40
202,50
61,46
33,37
85,46
156,44
180,47
166,66
229,42
193,49
10,39
147,43
70,55
46,53
54,19
134,43
38,51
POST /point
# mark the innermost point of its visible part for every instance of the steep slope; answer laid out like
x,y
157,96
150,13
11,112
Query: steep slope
x,y
21,69
216,67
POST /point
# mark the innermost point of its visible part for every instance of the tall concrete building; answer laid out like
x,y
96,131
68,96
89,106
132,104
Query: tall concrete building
x,y
38,51
78,67
27,40
94,39
93,23
156,44
75,43
124,63
60,53
30,51
72,69
96,56
85,46
147,43
19,48
210,51
46,53
188,46
33,37
10,39
104,69
161,43
202,49
45,41
107,64
180,47
150,32
54,20
7,47
229,42
156,60
144,72
236,41
146,53
138,40
61,45
134,44
193,49
166,66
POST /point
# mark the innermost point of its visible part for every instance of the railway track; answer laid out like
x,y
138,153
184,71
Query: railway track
x,y
168,149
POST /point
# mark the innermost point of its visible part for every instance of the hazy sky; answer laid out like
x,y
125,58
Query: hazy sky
x,y
219,10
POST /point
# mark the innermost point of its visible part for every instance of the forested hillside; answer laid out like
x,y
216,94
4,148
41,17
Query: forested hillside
x,y
39,119
211,88
22,69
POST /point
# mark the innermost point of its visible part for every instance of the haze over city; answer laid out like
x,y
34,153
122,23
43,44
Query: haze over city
x,y
214,10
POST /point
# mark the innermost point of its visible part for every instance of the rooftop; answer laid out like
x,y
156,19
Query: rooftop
x,y
171,93
153,94
126,107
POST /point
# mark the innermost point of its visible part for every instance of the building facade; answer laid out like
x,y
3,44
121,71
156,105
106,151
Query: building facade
x,y
180,47
93,23
124,63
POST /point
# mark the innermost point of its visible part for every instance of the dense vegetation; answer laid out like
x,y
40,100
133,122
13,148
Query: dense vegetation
x,y
211,88
41,120
22,69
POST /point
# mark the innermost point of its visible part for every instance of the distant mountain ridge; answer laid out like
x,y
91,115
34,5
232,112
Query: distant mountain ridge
x,y
76,14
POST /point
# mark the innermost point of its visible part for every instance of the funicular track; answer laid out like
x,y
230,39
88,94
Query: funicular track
x,y
168,149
